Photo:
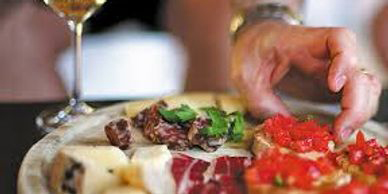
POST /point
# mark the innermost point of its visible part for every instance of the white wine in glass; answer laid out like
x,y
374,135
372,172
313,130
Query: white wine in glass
x,y
75,12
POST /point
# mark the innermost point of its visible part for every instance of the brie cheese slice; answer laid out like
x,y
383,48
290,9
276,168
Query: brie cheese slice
x,y
150,169
124,190
87,169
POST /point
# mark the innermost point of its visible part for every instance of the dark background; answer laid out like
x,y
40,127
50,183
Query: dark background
x,y
149,13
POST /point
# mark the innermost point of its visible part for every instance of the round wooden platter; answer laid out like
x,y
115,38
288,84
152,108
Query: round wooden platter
x,y
88,130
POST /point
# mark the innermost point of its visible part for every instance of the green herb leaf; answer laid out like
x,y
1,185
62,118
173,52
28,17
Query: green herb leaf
x,y
185,113
237,126
306,118
278,181
181,114
169,115
218,123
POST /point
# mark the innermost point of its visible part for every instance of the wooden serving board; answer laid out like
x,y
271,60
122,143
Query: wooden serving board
x,y
88,130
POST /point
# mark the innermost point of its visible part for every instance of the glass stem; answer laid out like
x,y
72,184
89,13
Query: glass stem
x,y
76,28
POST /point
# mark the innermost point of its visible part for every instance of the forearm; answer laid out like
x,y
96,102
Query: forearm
x,y
7,6
202,26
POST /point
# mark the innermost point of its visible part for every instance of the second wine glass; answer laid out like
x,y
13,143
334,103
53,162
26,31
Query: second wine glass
x,y
75,12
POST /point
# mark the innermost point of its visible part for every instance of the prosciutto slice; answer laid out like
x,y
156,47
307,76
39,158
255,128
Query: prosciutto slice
x,y
221,175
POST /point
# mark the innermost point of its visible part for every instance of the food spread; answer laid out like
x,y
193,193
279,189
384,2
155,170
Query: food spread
x,y
182,128
287,155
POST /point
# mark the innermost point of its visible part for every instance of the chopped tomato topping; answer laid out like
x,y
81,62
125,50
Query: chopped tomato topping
x,y
358,187
325,165
380,186
354,187
291,171
371,156
286,170
300,136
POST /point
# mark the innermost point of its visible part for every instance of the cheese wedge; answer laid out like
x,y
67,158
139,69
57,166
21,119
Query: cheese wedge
x,y
87,169
124,190
150,169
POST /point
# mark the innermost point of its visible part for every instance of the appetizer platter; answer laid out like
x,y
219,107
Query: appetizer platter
x,y
204,143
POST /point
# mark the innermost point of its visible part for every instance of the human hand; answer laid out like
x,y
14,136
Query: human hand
x,y
266,52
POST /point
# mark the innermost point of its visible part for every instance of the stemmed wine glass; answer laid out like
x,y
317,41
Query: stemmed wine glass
x,y
76,12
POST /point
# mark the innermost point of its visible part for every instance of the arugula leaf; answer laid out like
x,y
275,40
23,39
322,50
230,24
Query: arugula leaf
x,y
181,114
218,123
237,126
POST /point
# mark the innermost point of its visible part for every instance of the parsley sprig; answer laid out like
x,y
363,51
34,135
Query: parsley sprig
x,y
231,125
218,123
221,124
178,115
237,126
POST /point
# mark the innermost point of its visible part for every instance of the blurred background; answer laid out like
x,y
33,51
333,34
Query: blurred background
x,y
141,49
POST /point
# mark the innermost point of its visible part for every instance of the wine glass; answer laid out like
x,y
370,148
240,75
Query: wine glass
x,y
76,12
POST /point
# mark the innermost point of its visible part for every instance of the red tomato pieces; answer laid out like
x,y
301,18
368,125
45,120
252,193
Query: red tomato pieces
x,y
358,187
298,135
380,186
371,156
286,170
354,187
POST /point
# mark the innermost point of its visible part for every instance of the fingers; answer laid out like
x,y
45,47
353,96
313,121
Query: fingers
x,y
255,69
343,54
310,65
265,104
281,69
359,103
254,83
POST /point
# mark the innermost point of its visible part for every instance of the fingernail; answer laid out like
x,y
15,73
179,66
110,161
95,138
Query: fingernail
x,y
340,82
345,133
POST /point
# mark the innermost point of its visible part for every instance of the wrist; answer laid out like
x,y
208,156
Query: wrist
x,y
263,13
262,33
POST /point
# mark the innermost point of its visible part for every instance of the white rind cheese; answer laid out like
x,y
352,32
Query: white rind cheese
x,y
124,190
86,169
150,169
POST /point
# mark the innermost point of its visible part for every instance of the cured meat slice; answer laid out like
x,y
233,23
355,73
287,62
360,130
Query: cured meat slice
x,y
156,129
231,165
228,173
188,171
222,175
209,144
119,133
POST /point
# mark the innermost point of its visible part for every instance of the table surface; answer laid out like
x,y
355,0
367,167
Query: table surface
x,y
19,133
